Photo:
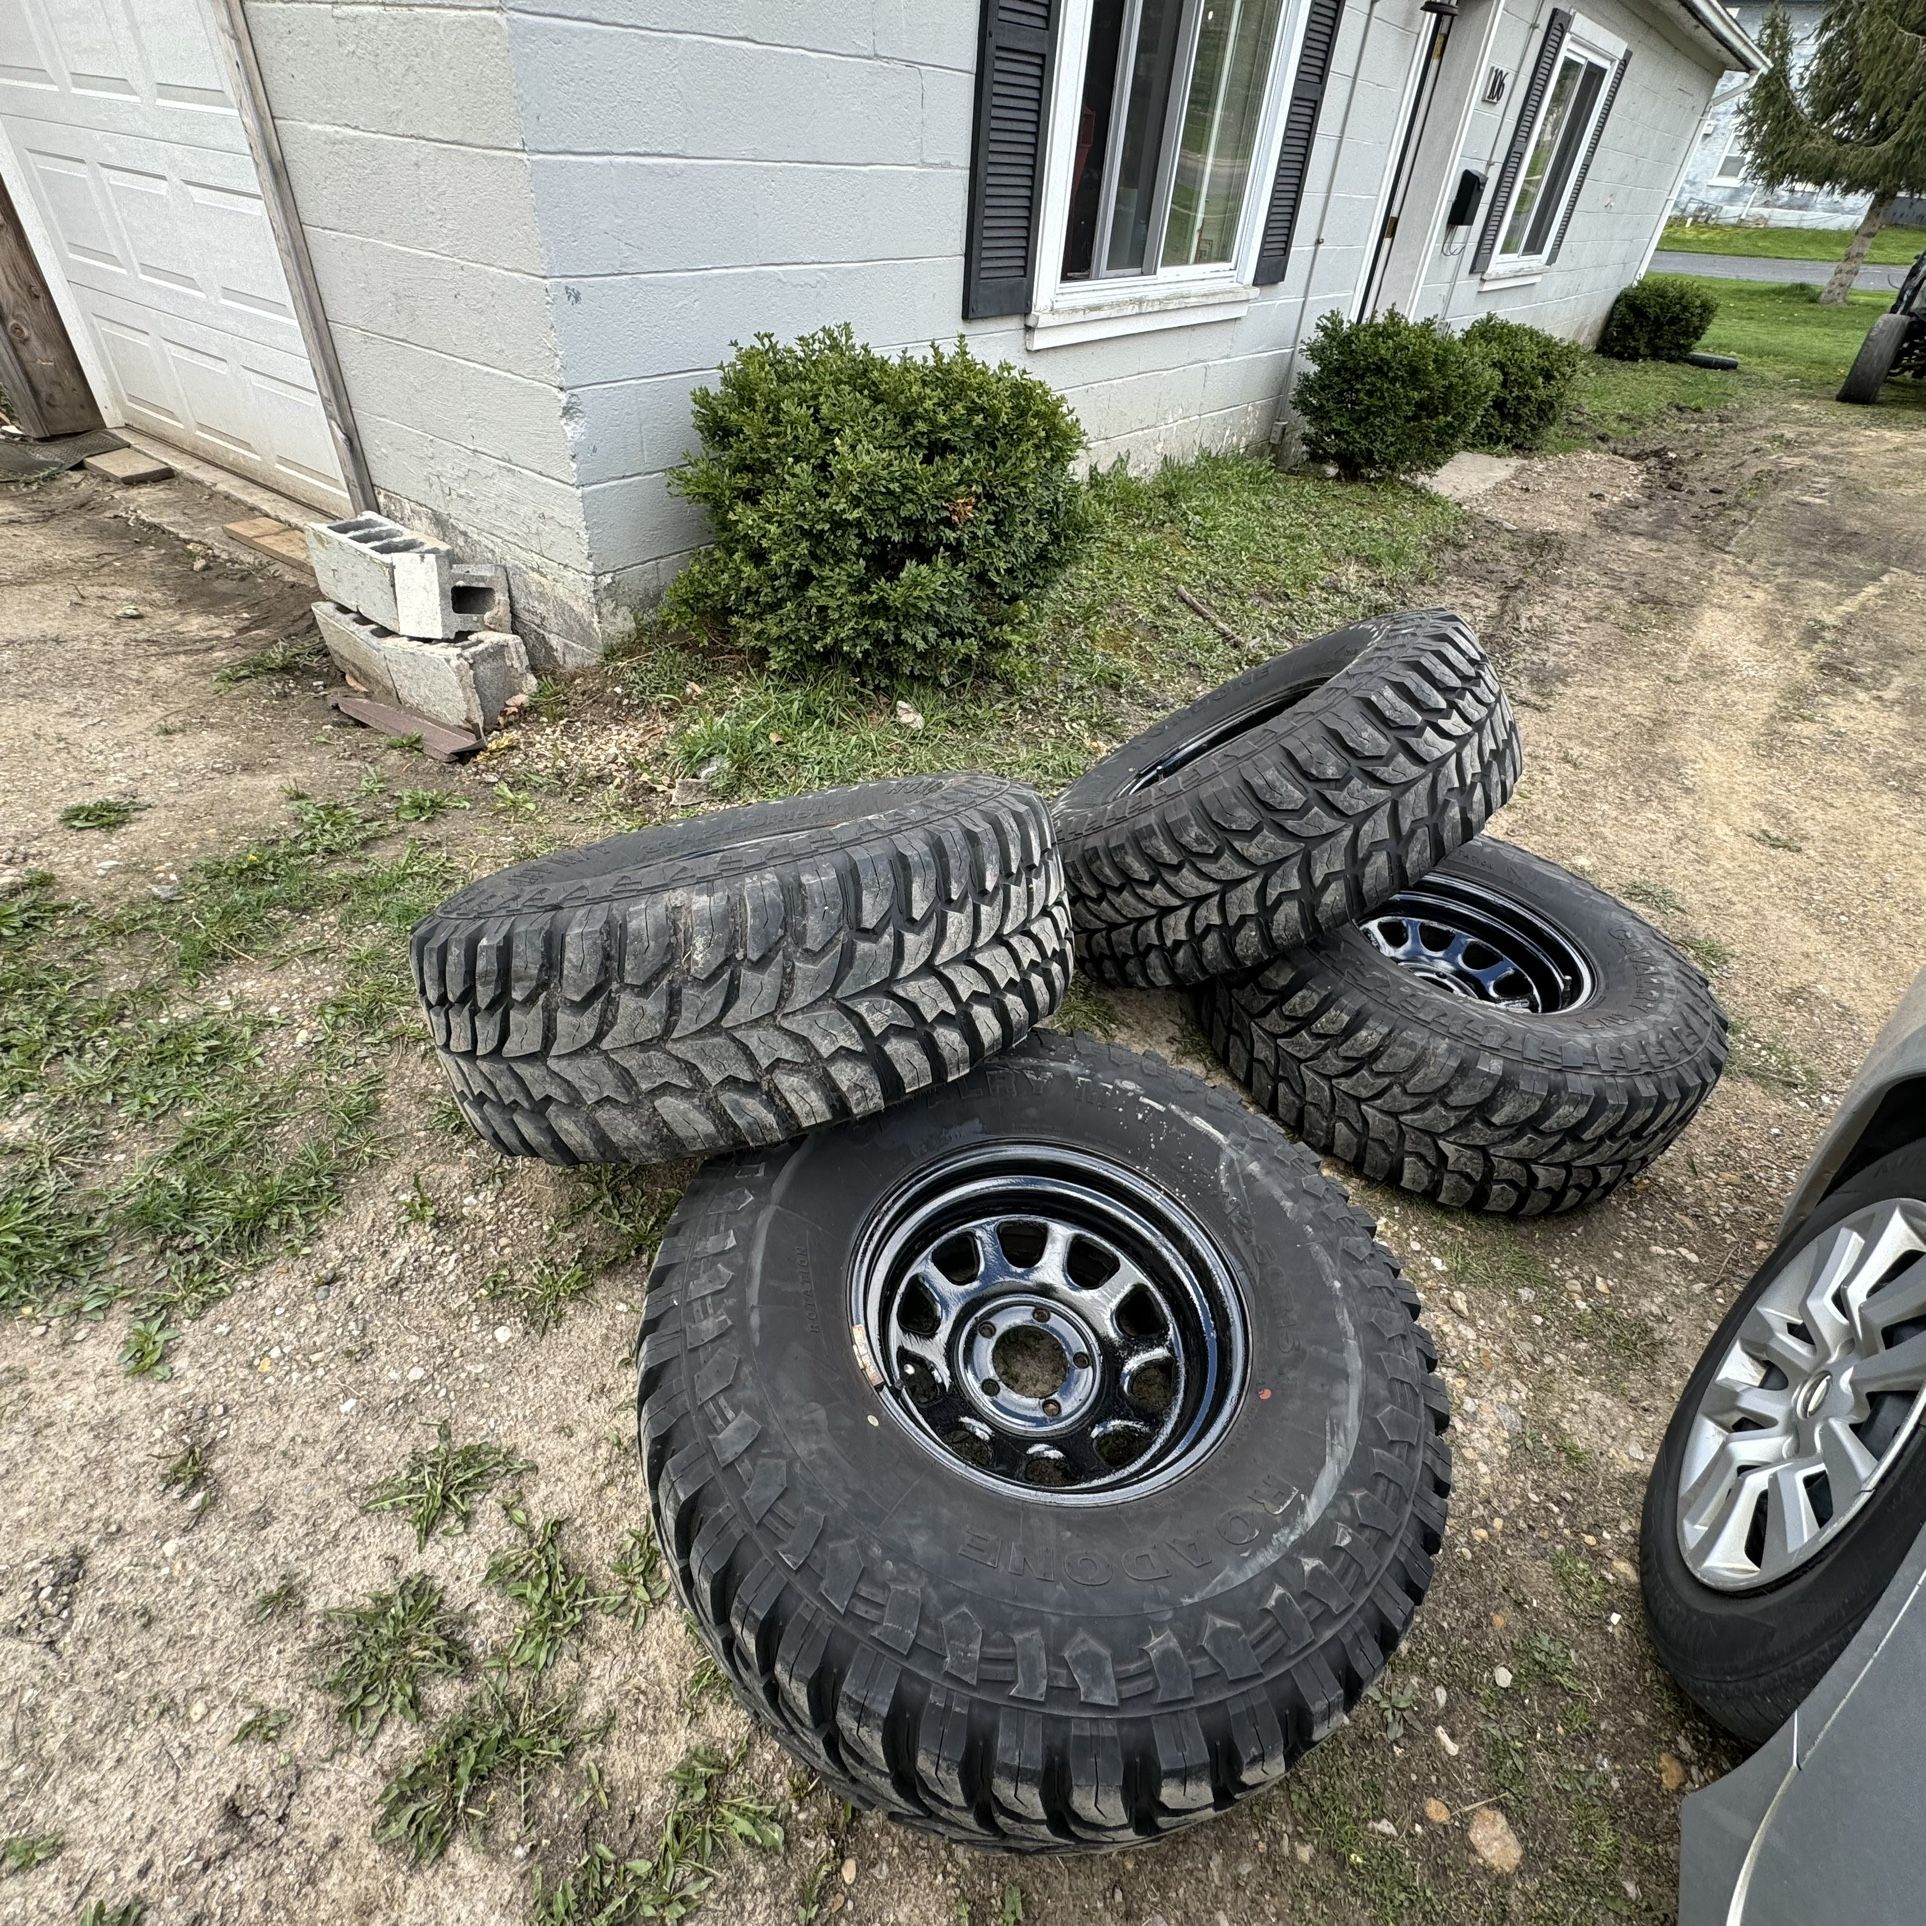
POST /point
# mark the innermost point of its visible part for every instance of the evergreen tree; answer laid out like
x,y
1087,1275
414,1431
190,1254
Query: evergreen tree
x,y
1854,122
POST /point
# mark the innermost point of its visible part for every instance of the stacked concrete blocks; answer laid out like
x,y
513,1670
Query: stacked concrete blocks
x,y
413,626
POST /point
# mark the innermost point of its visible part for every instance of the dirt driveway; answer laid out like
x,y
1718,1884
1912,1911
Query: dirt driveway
x,y
1718,653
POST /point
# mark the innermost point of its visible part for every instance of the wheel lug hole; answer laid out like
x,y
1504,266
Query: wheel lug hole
x,y
1041,1315
1051,1408
1081,1360
991,1387
987,1329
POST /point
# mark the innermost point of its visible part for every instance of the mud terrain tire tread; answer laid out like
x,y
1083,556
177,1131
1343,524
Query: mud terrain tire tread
x,y
1300,823
719,1000
971,1731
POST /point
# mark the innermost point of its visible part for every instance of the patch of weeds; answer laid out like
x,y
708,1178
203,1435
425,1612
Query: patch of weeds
x,y
1654,896
1585,1590
292,655
188,1473
47,1246
23,1851
641,1578
1773,840
445,1116
627,1209
397,894
541,1291
375,1003
496,1739
443,1483
706,1816
1009,1906
1086,1008
143,1352
418,1207
1707,952
424,805
161,1065
818,1892
97,1912
386,1650
707,1682
1760,1057
1552,1660
263,1726
554,1596
401,742
281,1599
105,812
1332,1799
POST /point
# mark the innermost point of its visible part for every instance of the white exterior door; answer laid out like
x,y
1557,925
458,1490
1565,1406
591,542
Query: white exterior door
x,y
123,136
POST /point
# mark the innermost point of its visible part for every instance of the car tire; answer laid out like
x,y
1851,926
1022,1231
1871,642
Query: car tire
x,y
1286,802
737,978
1577,1045
1748,1652
1041,1666
1874,362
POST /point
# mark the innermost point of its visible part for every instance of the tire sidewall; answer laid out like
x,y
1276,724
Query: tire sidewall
x,y
1729,1642
1278,1490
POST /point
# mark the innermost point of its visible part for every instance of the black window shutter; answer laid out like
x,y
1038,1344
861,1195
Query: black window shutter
x,y
1006,173
1591,148
1500,205
1300,129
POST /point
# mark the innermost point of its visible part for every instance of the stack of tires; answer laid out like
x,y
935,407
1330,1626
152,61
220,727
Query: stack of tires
x,y
1436,1008
1045,1448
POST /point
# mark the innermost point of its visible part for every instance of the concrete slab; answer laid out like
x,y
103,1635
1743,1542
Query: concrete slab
x,y
1465,477
128,465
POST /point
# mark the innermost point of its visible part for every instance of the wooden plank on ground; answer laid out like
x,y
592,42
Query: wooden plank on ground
x,y
45,384
437,739
266,536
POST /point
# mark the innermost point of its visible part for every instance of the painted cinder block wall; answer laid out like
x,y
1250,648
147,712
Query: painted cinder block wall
x,y
538,228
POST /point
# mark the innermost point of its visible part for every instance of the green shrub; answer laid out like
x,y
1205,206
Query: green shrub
x,y
1658,319
1535,373
885,516
1390,396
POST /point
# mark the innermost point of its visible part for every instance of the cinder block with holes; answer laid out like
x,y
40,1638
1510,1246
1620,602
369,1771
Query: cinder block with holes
x,y
406,583
464,682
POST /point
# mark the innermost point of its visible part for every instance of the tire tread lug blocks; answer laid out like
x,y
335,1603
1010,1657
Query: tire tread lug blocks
x,y
412,625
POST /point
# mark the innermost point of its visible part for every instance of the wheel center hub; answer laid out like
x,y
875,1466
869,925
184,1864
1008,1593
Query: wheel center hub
x,y
1817,1389
1029,1363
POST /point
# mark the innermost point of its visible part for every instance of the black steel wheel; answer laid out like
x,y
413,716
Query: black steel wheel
x,y
1038,1628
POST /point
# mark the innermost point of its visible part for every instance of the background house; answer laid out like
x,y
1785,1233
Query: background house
x,y
471,259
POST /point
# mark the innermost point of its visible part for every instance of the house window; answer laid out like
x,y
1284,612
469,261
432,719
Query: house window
x,y
1163,142
1568,114
1732,168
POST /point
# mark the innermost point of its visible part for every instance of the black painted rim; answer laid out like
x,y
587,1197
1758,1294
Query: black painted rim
x,y
1049,1324
1482,946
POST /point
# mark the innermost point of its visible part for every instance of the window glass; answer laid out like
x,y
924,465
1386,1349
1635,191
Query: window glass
x,y
1732,168
1142,145
1093,138
1564,124
1225,102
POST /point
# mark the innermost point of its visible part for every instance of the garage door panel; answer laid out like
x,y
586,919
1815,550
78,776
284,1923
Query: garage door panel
x,y
119,112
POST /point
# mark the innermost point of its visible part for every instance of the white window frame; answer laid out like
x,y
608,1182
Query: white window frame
x,y
1586,41
1735,150
1064,312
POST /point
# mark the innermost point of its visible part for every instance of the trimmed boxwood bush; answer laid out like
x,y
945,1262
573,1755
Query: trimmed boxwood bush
x,y
884,515
1660,318
1390,396
1535,373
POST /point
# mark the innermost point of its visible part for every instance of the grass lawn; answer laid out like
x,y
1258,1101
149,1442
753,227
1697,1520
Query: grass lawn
x,y
1782,337
1892,246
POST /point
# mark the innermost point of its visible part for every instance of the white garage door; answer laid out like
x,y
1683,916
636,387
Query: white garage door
x,y
122,132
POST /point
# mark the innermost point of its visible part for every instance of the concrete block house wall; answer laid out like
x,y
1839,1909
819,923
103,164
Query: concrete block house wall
x,y
536,225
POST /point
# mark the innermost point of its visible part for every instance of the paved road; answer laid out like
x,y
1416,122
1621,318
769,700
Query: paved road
x,y
1743,267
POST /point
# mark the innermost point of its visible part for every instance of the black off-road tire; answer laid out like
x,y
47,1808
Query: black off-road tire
x,y
1482,1107
978,1658
1289,801
738,978
1874,362
1749,1658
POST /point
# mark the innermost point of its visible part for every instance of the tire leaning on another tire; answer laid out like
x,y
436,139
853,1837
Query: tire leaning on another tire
x,y
1749,1656
1475,1104
737,978
1290,800
1040,1667
1874,361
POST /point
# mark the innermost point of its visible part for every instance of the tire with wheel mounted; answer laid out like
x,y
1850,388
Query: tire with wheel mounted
x,y
740,977
1048,1462
1874,362
1291,800
1500,1036
1791,1482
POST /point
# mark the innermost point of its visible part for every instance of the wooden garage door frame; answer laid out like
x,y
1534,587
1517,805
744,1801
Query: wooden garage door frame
x,y
228,20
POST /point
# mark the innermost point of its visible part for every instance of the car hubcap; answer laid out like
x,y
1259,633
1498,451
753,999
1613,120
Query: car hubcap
x,y
1049,1321
1474,943
1815,1397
